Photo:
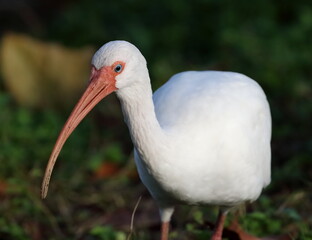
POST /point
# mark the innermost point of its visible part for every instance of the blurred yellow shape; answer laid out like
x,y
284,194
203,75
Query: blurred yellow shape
x,y
40,74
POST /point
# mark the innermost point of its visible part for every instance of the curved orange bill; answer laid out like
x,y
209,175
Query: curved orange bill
x,y
102,83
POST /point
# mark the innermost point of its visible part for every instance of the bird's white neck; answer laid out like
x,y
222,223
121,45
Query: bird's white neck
x,y
138,109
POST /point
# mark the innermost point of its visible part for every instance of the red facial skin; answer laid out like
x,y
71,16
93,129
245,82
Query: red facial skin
x,y
102,82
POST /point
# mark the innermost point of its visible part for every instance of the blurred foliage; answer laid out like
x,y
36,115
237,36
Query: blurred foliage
x,y
269,41
107,233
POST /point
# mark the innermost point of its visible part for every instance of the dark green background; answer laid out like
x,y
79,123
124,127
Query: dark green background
x,y
270,41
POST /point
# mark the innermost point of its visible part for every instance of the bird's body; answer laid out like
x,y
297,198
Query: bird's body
x,y
202,138
215,146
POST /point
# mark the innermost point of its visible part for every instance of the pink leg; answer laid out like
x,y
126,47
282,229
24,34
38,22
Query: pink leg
x,y
164,230
217,235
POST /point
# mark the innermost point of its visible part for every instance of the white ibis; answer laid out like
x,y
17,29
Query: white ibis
x,y
203,138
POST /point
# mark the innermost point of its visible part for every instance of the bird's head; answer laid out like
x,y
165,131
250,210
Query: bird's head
x,y
115,66
117,63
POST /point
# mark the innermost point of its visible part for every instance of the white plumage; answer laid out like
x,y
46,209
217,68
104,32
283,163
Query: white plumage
x,y
217,149
202,138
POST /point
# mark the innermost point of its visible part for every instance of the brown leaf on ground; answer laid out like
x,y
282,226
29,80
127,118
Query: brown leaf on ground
x,y
3,187
107,170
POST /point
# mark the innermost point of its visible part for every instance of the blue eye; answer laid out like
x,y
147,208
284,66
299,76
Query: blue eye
x,y
118,68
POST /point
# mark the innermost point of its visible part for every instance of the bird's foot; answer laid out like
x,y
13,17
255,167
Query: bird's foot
x,y
217,236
